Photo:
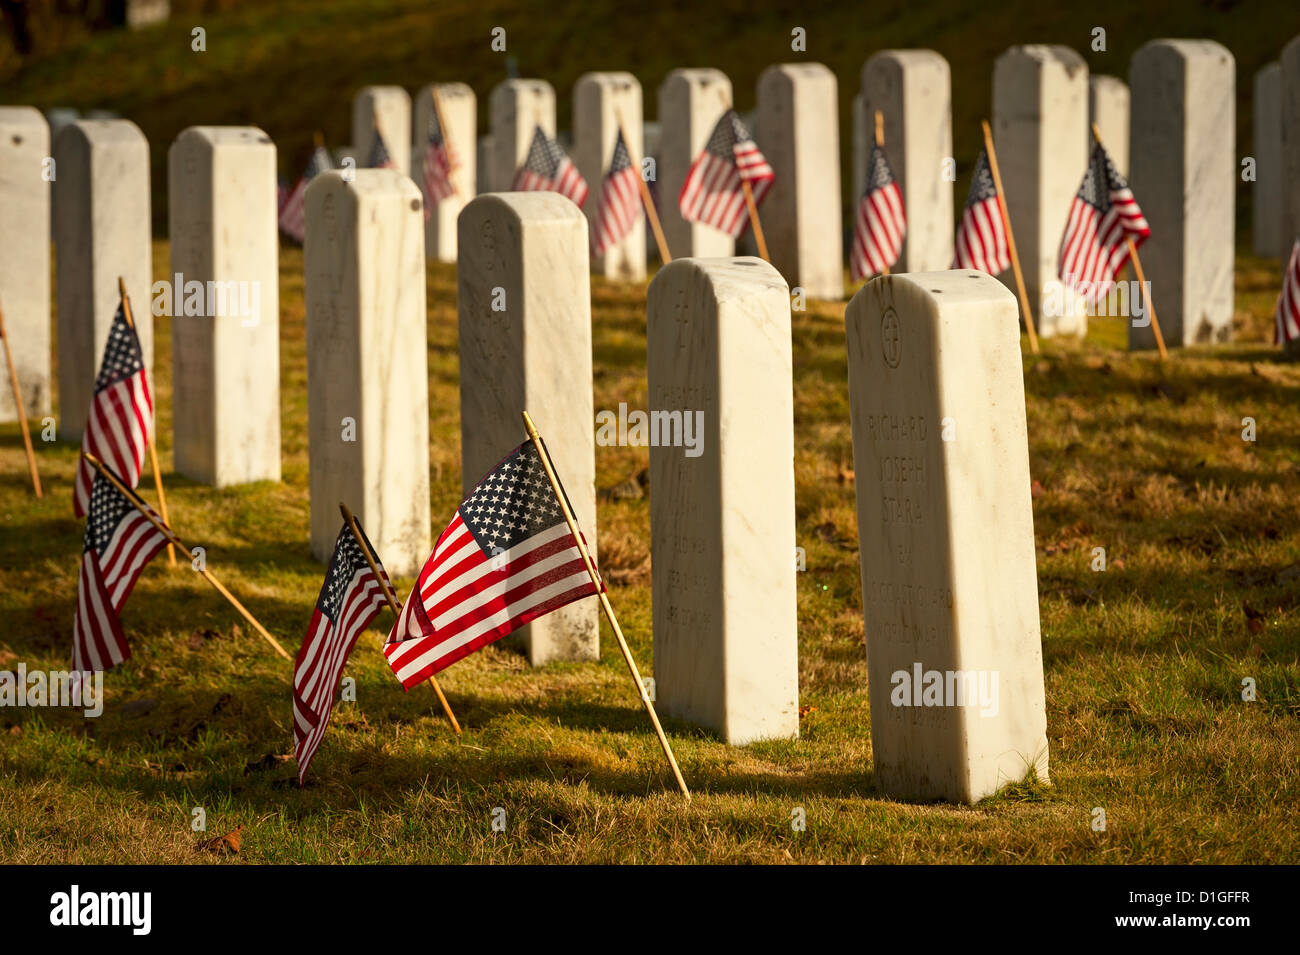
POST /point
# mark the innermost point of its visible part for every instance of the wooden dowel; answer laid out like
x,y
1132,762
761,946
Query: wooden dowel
x,y
318,139
22,410
604,601
373,561
1137,270
172,538
753,220
880,129
153,449
1011,239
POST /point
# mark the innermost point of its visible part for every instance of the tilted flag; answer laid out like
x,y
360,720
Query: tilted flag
x,y
620,201
1287,319
439,162
119,541
349,599
881,222
379,157
549,169
713,193
121,410
981,235
506,558
1103,217
293,221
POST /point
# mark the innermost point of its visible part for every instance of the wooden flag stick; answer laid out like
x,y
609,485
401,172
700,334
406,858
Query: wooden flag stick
x,y
318,139
153,450
646,200
880,144
1137,270
446,145
22,410
1011,239
604,601
392,601
172,538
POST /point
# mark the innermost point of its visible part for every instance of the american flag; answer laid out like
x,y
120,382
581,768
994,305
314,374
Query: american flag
x,y
1287,320
982,236
713,193
620,201
350,598
439,162
121,409
881,223
506,558
379,157
292,215
1103,217
119,541
549,169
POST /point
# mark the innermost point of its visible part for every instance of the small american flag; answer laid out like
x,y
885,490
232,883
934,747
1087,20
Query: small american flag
x,y
439,163
549,169
119,541
292,215
121,409
350,598
620,201
1103,217
1287,319
881,223
379,157
981,236
713,193
507,557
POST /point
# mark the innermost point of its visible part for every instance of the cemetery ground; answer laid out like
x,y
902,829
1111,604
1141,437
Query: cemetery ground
x,y
1144,662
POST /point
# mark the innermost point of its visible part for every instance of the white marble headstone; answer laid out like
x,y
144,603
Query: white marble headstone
x,y
690,103
367,363
722,508
517,108
1270,229
386,109
102,230
602,104
222,213
1040,131
1290,115
798,130
25,262
913,91
1108,108
1183,144
525,345
946,531
460,113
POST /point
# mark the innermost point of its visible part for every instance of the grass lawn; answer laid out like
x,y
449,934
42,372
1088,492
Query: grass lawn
x,y
1144,662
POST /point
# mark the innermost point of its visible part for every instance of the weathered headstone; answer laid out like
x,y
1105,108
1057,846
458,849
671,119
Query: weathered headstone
x,y
1270,231
946,530
913,91
603,103
388,110
25,262
722,510
1290,110
1184,177
798,129
1108,109
517,108
861,145
1040,130
101,231
484,165
525,345
367,363
690,103
460,113
222,216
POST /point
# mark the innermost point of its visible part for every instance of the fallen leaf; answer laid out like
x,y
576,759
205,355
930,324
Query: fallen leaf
x,y
1036,489
230,842
805,710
